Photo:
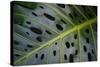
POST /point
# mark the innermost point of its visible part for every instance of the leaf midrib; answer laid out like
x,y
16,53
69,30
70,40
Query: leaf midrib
x,y
62,35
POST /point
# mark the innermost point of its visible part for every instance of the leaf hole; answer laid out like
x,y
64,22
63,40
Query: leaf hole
x,y
75,36
30,46
71,58
85,49
48,32
61,5
36,30
54,52
27,33
59,27
56,43
34,14
92,51
39,39
87,31
49,16
63,21
87,40
65,57
42,7
17,55
42,56
70,15
72,44
76,52
36,55
28,22
67,45
89,57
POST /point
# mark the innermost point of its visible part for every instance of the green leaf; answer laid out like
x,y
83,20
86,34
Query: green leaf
x,y
54,33
29,5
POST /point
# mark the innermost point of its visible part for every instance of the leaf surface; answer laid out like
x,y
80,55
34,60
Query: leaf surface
x,y
54,33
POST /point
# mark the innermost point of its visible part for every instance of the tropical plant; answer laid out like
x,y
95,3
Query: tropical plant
x,y
45,33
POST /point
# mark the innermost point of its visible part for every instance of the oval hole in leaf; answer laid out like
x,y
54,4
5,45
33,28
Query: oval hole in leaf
x,y
67,44
42,7
17,55
54,52
27,33
63,21
76,52
75,36
42,56
49,16
30,46
48,32
65,57
71,58
59,27
34,14
28,22
56,43
36,55
89,57
92,51
36,30
85,49
39,39
87,31
70,15
61,5
87,40
72,44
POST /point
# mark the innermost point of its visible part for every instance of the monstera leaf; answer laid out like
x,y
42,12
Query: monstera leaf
x,y
46,33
